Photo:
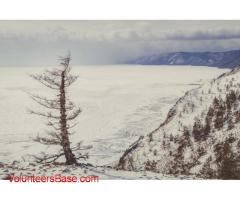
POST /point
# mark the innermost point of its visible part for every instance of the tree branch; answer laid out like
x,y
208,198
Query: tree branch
x,y
53,125
46,157
74,114
70,80
79,147
47,81
47,141
48,114
51,104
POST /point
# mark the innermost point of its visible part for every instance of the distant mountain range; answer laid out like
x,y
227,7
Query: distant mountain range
x,y
227,59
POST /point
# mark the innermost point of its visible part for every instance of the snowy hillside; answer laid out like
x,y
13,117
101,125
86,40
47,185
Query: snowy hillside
x,y
200,136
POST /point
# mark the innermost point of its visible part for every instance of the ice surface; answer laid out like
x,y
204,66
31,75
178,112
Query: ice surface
x,y
119,104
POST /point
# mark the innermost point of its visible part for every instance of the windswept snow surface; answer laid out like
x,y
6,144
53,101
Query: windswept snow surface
x,y
119,104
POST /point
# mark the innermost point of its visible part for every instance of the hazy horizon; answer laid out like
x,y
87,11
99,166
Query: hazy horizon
x,y
39,43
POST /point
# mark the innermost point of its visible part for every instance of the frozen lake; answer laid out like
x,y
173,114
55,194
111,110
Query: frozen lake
x,y
119,104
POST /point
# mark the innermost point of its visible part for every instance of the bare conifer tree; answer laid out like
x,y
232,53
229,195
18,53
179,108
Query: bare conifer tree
x,y
61,112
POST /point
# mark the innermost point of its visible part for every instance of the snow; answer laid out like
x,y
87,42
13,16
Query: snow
x,y
194,104
119,104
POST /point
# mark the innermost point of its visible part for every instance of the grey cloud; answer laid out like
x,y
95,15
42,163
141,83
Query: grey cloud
x,y
106,42
204,35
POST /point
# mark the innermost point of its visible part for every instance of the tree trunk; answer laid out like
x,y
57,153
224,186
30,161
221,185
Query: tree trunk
x,y
70,157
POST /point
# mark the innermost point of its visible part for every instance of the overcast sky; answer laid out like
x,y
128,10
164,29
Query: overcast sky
x,y
28,43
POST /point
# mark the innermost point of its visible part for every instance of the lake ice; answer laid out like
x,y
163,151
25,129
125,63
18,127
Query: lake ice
x,y
119,104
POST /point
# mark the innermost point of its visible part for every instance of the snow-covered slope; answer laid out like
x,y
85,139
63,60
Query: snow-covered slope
x,y
200,135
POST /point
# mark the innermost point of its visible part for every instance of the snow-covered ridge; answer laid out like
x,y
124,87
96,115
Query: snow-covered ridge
x,y
199,136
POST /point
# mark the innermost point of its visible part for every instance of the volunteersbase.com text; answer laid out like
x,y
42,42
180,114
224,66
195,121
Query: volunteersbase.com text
x,y
57,178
